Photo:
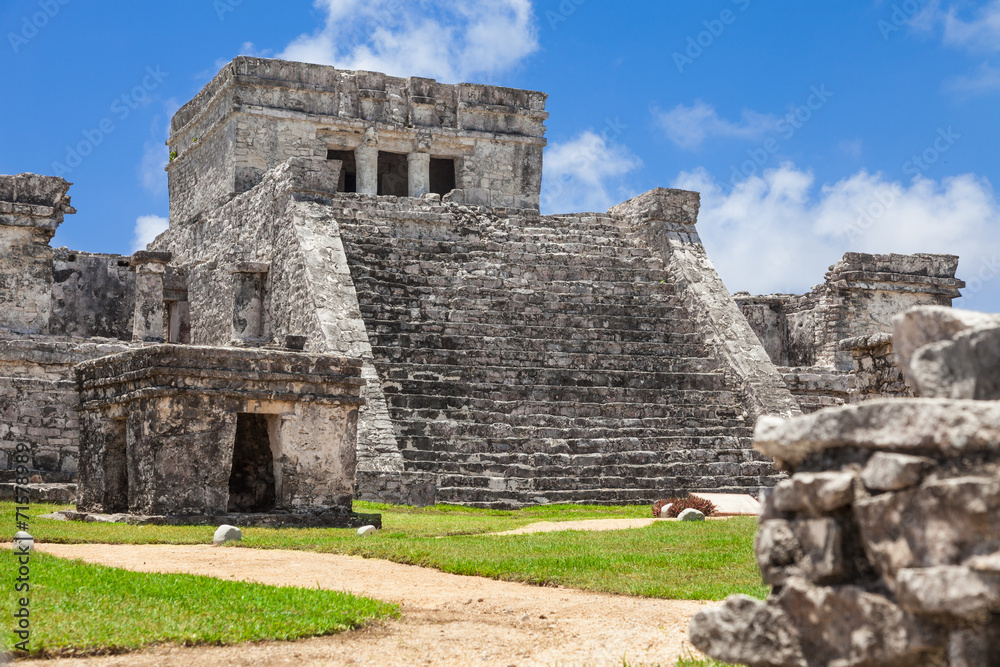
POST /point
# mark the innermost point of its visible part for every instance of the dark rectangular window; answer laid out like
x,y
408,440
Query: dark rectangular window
x,y
393,174
348,172
442,175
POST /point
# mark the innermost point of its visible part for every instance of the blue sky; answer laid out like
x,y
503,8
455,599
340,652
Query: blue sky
x,y
811,128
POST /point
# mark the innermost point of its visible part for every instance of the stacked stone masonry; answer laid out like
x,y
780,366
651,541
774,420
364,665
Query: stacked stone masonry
x,y
883,547
833,346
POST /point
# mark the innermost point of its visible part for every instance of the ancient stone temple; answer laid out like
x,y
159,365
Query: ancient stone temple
x,y
508,357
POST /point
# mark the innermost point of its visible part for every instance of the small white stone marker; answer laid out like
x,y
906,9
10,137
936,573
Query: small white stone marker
x,y
23,542
691,514
665,511
226,533
365,531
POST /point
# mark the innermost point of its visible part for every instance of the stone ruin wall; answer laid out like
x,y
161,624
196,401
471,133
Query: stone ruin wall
x,y
822,341
257,113
57,308
883,547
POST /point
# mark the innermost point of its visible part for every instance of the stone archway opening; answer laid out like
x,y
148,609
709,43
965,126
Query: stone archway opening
x,y
252,480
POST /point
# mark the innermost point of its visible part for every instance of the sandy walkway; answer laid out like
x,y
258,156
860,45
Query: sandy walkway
x,y
447,619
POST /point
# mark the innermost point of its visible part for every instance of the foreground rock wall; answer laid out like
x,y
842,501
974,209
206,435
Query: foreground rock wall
x,y
883,547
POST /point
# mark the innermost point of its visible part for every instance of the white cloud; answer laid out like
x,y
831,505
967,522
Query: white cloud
x,y
447,40
689,126
981,34
147,228
778,233
155,154
985,79
578,174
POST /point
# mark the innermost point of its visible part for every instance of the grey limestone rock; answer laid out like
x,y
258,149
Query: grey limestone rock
x,y
226,533
891,472
691,514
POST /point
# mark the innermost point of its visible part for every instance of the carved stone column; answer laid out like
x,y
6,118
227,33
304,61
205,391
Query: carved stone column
x,y
149,268
419,167
366,161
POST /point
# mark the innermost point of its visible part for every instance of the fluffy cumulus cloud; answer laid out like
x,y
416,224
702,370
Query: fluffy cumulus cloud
x,y
449,40
976,31
147,228
690,126
777,232
585,174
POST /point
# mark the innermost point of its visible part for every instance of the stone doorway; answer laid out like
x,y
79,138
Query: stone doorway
x,y
251,482
393,174
442,175
115,467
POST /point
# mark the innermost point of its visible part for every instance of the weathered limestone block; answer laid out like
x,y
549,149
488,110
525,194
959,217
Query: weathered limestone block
x,y
942,522
806,625
948,590
816,493
808,548
949,353
892,472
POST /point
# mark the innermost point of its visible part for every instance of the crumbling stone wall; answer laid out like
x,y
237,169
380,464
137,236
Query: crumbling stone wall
x,y
810,336
93,295
31,208
38,402
257,113
876,372
883,547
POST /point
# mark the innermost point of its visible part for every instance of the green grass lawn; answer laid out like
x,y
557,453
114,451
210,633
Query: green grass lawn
x,y
689,561
78,609
694,561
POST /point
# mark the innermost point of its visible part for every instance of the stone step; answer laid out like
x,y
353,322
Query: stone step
x,y
394,357
571,409
679,345
484,375
487,333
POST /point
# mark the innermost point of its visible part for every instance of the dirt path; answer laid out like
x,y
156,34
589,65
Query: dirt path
x,y
447,619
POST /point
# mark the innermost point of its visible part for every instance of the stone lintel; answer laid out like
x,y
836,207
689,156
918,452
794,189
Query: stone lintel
x,y
146,257
865,342
251,374
251,267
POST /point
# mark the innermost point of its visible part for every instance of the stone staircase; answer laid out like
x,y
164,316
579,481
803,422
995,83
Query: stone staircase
x,y
530,359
